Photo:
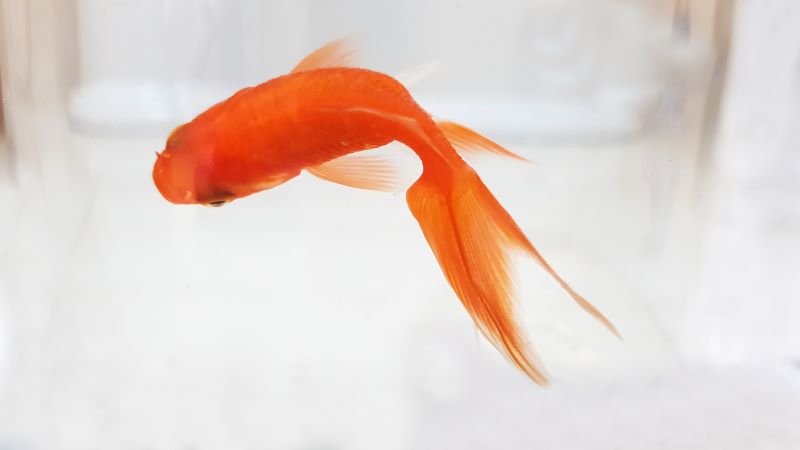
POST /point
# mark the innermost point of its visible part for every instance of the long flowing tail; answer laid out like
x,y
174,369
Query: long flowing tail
x,y
471,236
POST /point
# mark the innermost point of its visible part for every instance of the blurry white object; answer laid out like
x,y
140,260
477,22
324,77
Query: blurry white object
x,y
148,63
571,69
583,71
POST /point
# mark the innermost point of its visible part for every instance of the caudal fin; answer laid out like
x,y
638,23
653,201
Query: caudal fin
x,y
472,236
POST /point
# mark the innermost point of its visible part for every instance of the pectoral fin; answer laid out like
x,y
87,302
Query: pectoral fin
x,y
372,172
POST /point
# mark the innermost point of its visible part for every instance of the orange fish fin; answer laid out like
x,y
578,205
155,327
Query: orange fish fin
x,y
371,172
582,302
472,236
467,141
337,53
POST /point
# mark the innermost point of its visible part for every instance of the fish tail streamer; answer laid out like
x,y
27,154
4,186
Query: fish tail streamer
x,y
472,237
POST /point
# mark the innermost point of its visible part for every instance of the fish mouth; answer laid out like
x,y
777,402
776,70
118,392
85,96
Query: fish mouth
x,y
217,203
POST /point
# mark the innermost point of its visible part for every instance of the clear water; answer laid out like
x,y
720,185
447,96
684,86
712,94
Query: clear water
x,y
313,316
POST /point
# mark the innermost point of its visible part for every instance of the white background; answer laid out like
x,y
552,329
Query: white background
x,y
314,316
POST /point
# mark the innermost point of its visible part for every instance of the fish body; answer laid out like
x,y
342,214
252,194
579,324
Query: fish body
x,y
319,118
272,131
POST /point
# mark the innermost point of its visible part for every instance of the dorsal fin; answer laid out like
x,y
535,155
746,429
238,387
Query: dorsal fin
x,y
337,53
467,141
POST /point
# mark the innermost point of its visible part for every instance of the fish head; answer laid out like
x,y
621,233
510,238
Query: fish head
x,y
183,171
192,170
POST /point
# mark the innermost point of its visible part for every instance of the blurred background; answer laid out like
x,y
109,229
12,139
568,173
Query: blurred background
x,y
313,317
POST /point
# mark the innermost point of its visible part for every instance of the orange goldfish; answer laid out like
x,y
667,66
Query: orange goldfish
x,y
317,118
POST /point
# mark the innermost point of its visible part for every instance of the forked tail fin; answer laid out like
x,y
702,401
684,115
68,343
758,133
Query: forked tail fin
x,y
471,236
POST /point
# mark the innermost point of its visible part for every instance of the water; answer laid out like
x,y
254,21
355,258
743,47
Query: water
x,y
314,316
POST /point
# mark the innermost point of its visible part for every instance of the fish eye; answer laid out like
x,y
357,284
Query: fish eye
x,y
217,203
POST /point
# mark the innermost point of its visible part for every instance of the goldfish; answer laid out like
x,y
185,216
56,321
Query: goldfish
x,y
322,118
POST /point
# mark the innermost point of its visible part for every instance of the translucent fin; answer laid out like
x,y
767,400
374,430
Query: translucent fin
x,y
582,302
337,53
372,172
416,74
467,141
471,236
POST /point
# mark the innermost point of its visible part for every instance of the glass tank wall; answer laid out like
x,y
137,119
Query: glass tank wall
x,y
663,187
